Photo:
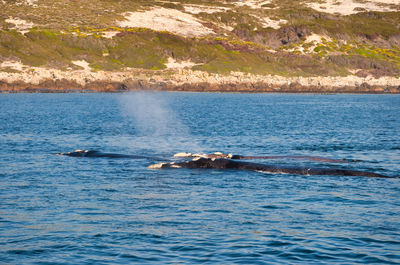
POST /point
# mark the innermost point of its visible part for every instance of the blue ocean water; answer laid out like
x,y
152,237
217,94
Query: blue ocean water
x,y
68,210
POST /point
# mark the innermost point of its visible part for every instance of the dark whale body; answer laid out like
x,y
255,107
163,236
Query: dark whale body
x,y
94,153
286,157
294,157
223,163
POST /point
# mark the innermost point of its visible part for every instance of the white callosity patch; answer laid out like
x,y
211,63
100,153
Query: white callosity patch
x,y
197,9
200,156
21,25
156,166
197,156
166,19
183,154
83,64
161,165
348,7
173,64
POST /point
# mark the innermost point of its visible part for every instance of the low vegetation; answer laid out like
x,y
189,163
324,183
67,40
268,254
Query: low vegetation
x,y
66,31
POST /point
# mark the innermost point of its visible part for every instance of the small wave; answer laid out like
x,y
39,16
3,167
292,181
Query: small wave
x,y
274,207
137,258
278,243
26,252
184,248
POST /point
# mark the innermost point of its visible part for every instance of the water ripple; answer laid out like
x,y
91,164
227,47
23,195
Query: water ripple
x,y
64,210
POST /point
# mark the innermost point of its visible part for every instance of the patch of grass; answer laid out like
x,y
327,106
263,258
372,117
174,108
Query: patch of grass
x,y
150,50
41,48
382,24
364,24
73,30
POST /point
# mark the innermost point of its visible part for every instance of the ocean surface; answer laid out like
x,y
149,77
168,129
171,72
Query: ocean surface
x,y
76,210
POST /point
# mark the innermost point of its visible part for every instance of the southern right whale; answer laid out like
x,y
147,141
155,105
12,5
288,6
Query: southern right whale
x,y
223,163
241,157
94,153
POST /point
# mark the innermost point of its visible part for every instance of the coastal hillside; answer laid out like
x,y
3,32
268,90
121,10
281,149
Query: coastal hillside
x,y
200,45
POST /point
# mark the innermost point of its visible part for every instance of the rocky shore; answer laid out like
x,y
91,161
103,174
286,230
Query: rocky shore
x,y
51,80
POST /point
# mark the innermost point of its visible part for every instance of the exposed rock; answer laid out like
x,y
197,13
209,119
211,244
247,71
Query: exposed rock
x,y
370,79
249,84
275,38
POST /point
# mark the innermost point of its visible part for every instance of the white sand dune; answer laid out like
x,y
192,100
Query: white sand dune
x,y
83,64
348,7
166,19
